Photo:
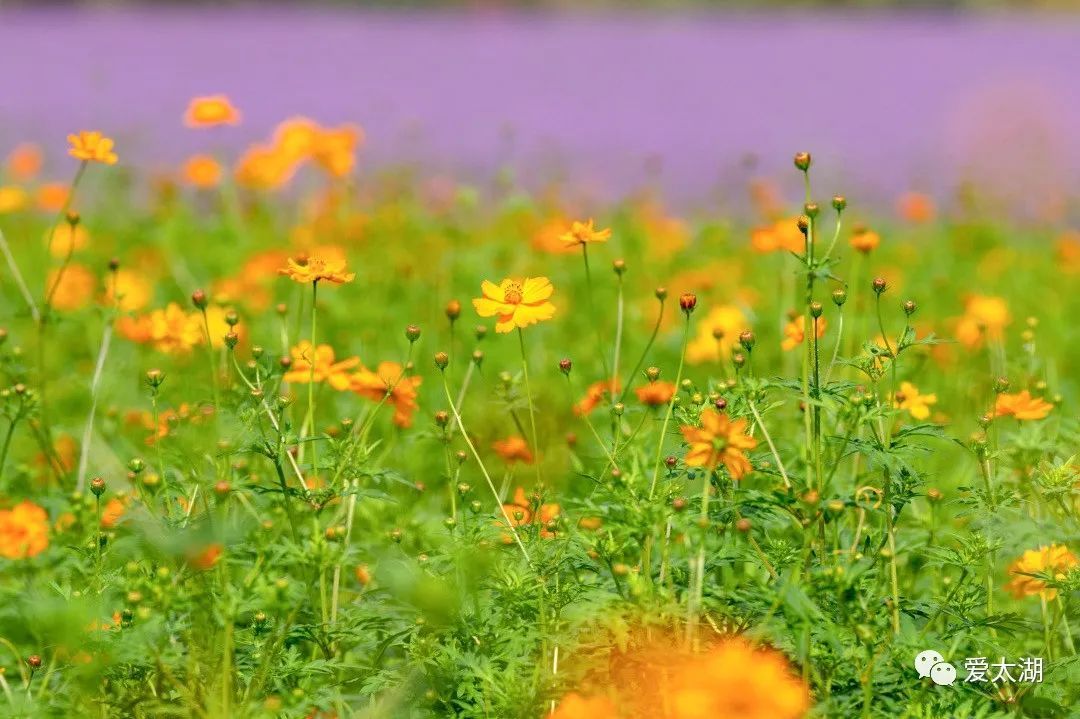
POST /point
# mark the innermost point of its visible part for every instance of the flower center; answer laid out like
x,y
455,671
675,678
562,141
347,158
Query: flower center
x,y
512,293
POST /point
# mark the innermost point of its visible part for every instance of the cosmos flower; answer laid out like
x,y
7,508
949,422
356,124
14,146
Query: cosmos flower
x,y
984,318
517,303
783,235
656,394
201,171
717,333
795,332
170,330
719,440
326,369
594,395
92,146
575,706
13,199
24,162
909,398
130,289
1021,405
307,270
513,449
389,377
519,510
24,531
583,233
75,289
211,111
864,240
1055,560
264,168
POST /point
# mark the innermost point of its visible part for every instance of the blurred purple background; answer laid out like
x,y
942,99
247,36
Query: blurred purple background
x,y
886,102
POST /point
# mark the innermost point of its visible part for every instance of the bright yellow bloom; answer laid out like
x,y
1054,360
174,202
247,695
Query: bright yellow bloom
x,y
1022,406
517,303
12,199
389,377
264,168
67,239
92,146
326,369
210,111
76,288
130,289
719,440
1055,560
984,318
307,270
583,233
795,332
918,405
717,333
201,171
24,531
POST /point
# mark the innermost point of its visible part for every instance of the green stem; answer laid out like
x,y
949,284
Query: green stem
x,y
532,410
670,408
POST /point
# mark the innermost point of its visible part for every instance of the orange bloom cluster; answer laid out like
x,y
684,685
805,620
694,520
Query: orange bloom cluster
x,y
296,141
795,332
519,510
388,381
1021,406
730,680
1055,560
24,531
516,303
173,330
781,235
719,440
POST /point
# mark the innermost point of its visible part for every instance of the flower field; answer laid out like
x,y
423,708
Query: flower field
x,y
283,437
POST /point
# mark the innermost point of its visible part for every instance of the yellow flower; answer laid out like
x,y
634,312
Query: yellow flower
x,y
210,111
170,330
306,270
1055,560
918,405
517,303
201,171
984,318
12,199
795,332
76,288
583,233
92,146
1022,406
717,333
719,440
24,531
131,290
325,369
67,239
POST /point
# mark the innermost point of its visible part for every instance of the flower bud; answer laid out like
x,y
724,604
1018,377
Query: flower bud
x,y
565,365
441,360
661,293
97,486
909,307
816,309
652,374
198,298
746,340
671,461
34,661
720,403
802,161
412,333
114,264
453,310
738,359
1001,384
679,504
811,210
231,339
73,218
619,266
155,377
803,223
442,417
478,357
480,332
744,525
839,296
879,285
688,301
839,203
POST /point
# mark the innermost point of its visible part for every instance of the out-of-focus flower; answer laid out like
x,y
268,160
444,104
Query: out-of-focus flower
x,y
170,330
915,207
513,449
864,240
210,111
319,365
584,233
547,236
24,162
334,149
1068,251
780,236
201,171
52,196
24,531
656,393
13,199
717,333
795,332
909,398
131,290
112,512
92,146
66,239
1055,560
75,289
516,303
264,168
594,395
520,513
206,557
309,269
575,706
1021,406
389,381
719,440
984,318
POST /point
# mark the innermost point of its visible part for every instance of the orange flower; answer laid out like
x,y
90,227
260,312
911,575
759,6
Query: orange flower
x,y
66,239
1068,251
52,196
24,531
781,235
264,168
111,513
520,513
202,171
313,269
719,440
517,303
24,162
170,330
575,706
717,333
334,149
1055,560
984,318
915,207
336,374
211,111
205,558
363,574
1022,406
513,449
12,199
594,395
795,331
656,394
547,236
389,377
92,146
75,289
583,233
864,240
131,290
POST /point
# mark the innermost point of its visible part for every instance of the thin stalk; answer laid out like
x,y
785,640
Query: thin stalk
x,y
645,352
618,338
532,410
670,408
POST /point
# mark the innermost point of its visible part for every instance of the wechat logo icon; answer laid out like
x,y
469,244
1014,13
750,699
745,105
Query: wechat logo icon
x,y
931,664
